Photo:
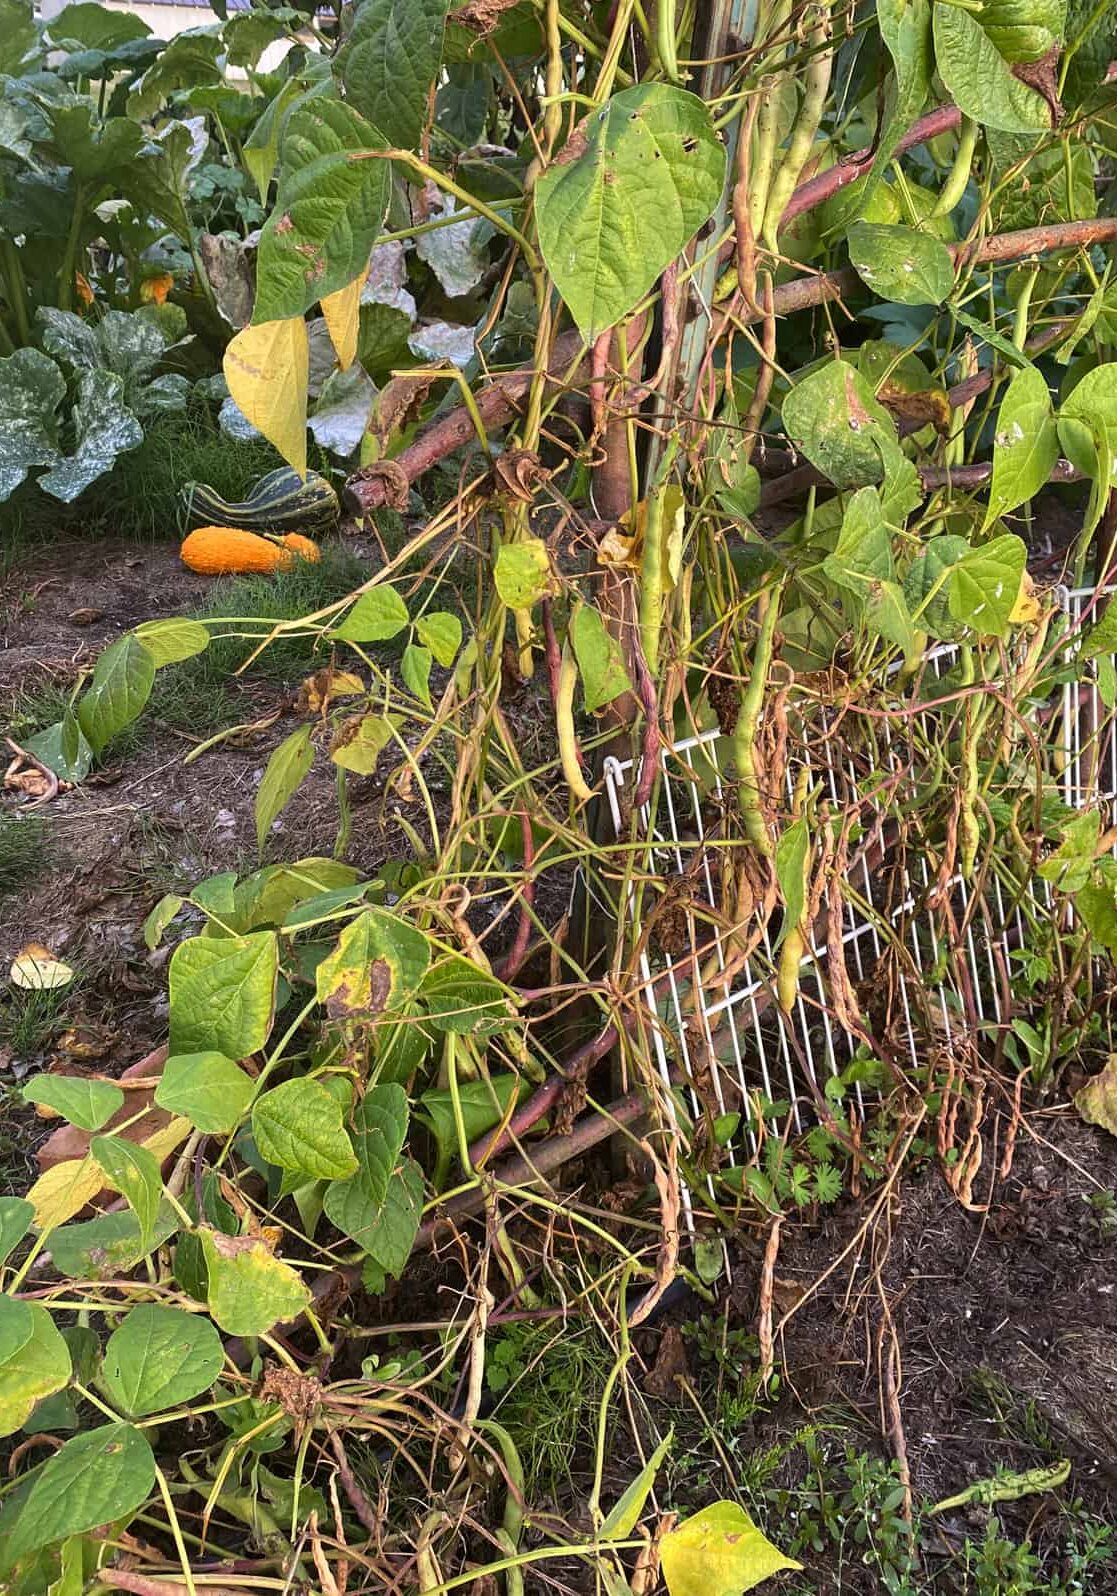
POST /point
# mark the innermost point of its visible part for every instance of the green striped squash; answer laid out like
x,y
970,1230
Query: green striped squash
x,y
280,502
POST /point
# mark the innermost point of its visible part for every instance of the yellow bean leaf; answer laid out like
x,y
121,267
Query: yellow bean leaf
x,y
267,368
343,320
62,1191
1026,609
719,1552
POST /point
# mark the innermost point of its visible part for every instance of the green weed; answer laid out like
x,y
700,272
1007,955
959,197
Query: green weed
x,y
24,849
843,1513
29,1020
548,1381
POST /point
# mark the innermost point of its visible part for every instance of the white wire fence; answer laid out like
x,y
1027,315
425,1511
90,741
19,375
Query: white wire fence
x,y
907,961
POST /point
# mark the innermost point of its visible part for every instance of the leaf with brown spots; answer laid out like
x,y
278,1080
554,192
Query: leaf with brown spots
x,y
328,212
629,191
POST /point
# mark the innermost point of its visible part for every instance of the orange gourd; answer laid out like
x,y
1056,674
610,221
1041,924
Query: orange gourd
x,y
229,551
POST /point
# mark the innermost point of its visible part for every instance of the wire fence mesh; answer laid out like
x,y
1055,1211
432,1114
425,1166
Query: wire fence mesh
x,y
908,960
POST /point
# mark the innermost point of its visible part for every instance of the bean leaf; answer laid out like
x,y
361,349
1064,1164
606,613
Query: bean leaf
x,y
248,1289
16,1216
390,61
523,573
379,961
118,692
159,1358
377,616
286,770
37,1368
84,1103
170,641
1025,443
97,1477
719,1552
441,632
207,1089
415,668
599,657
984,586
901,264
978,77
134,1172
832,415
223,993
299,1126
327,212
633,185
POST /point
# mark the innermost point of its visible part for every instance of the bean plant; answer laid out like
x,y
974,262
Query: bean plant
x,y
789,324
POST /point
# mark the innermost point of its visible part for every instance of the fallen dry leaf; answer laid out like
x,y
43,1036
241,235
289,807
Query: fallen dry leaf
x,y
1097,1100
36,969
316,692
31,783
86,1041
669,1367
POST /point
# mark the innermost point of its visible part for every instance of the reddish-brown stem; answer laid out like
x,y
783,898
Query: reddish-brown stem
x,y
599,365
139,1584
758,404
500,400
797,481
496,404
549,1156
350,1485
551,651
544,1098
744,243
818,189
612,479
671,327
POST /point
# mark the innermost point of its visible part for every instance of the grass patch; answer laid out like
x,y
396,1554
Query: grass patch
x,y
203,695
200,695
24,844
140,497
284,596
548,1384
30,1020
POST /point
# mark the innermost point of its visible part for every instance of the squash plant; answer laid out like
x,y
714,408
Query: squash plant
x,y
854,262
104,128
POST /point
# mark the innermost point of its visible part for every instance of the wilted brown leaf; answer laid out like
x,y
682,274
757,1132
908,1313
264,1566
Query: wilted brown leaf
x,y
1097,1100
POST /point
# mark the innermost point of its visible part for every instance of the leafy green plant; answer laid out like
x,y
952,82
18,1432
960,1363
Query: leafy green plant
x,y
82,399
855,264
